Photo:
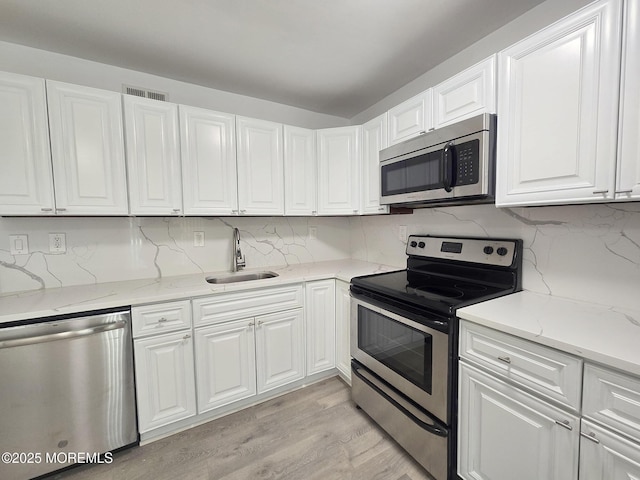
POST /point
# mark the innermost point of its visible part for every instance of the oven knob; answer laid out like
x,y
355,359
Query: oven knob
x,y
501,251
488,250
414,244
421,244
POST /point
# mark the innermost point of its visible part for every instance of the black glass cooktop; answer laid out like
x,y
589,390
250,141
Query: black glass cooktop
x,y
433,291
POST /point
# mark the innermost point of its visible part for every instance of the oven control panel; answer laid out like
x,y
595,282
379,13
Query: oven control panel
x,y
477,250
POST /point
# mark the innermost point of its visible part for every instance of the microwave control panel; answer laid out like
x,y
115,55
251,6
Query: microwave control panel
x,y
467,161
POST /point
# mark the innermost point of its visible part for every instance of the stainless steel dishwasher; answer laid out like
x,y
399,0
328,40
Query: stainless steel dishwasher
x,y
66,392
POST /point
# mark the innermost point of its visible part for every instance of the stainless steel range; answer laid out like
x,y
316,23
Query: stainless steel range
x,y
404,338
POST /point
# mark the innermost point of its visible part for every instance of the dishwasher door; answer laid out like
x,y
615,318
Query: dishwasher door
x,y
66,392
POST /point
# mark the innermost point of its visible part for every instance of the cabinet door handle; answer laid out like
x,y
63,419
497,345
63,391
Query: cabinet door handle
x,y
505,359
186,337
162,320
314,212
234,212
564,424
260,322
51,209
355,211
422,132
176,210
381,209
590,436
251,324
242,212
61,209
601,192
624,191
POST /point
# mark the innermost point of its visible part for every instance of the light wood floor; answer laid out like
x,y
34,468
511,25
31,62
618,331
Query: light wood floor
x,y
311,434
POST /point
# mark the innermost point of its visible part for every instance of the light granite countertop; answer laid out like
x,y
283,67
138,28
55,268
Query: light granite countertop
x,y
81,298
598,333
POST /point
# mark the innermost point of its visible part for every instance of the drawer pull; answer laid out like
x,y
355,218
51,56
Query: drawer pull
x,y
564,424
505,359
590,436
600,192
162,320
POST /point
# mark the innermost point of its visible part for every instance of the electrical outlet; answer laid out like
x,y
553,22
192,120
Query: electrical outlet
x,y
313,232
198,239
57,243
402,233
19,244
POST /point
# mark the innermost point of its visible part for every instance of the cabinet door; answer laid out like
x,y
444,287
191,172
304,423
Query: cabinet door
x,y
153,156
628,175
374,138
606,456
26,185
343,320
208,147
279,349
411,118
260,167
339,171
225,363
300,171
466,94
558,111
87,148
165,384
504,433
320,312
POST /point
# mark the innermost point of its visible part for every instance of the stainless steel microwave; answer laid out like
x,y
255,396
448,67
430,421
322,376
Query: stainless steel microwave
x,y
451,165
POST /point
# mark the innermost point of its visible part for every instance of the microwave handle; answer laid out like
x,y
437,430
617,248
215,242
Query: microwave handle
x,y
447,164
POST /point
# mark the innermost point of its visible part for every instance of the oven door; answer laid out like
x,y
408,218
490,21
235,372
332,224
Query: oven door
x,y
412,357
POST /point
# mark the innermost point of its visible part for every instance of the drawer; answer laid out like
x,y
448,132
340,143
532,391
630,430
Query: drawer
x,y
549,372
245,304
613,399
160,318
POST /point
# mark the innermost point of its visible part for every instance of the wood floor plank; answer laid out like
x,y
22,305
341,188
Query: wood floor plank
x,y
314,433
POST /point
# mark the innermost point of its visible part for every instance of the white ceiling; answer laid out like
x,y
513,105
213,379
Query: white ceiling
x,y
331,56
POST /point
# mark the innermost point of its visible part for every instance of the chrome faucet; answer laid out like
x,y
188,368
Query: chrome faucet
x,y
238,259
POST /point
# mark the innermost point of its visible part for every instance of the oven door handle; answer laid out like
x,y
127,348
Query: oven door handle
x,y
431,428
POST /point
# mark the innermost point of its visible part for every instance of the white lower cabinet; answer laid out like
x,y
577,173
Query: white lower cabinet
x,y
607,456
320,309
505,433
279,349
343,319
225,359
164,379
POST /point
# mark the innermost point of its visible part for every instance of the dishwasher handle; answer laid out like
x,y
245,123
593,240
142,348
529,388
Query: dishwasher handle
x,y
62,330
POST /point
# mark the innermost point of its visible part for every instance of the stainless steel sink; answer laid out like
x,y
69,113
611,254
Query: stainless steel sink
x,y
240,277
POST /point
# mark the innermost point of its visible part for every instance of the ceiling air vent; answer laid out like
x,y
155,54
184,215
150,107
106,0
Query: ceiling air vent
x,y
142,92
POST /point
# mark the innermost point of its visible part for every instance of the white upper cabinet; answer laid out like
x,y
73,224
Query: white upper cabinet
x,y
300,171
411,118
466,94
628,175
208,147
26,186
558,111
153,156
87,148
374,138
260,167
339,170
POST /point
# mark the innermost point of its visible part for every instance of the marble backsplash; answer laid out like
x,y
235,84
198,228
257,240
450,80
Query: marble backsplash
x,y
583,252
115,248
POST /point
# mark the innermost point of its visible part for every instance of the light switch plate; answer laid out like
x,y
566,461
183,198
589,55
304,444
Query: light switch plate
x,y
402,233
19,244
198,239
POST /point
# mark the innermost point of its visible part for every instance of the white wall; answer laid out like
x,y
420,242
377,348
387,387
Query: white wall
x,y
530,22
111,249
54,66
584,252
